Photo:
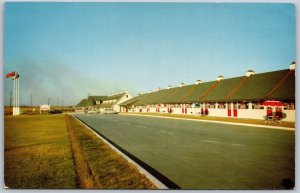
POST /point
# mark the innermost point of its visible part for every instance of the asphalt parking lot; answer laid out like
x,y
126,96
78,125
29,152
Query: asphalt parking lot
x,y
200,155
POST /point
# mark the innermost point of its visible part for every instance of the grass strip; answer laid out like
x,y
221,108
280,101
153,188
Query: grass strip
x,y
224,119
84,174
101,166
37,153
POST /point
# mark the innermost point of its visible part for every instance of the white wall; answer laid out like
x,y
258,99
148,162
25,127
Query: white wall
x,y
116,106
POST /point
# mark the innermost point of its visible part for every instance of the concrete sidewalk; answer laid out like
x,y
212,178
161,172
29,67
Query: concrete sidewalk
x,y
224,120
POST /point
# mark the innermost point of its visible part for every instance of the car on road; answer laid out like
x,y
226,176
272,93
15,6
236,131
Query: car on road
x,y
109,111
92,112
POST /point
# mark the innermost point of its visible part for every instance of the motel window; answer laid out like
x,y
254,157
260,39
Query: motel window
x,y
221,106
211,105
257,105
290,105
177,105
243,105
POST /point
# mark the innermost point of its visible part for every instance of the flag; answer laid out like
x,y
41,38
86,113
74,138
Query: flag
x,y
17,75
10,74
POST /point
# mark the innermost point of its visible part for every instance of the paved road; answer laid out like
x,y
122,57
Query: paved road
x,y
199,155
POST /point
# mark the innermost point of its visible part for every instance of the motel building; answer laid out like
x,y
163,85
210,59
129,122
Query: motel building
x,y
100,103
239,97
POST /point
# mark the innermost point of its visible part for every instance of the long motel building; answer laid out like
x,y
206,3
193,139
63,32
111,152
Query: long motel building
x,y
239,97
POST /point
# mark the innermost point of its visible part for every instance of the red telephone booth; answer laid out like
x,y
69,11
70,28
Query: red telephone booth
x,y
235,109
229,110
202,111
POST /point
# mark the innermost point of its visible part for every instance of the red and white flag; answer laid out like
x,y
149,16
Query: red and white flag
x,y
11,74
16,76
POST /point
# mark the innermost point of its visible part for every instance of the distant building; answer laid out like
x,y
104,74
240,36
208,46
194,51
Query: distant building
x,y
100,103
239,97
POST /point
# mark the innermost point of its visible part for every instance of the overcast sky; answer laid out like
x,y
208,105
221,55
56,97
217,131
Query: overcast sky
x,y
67,50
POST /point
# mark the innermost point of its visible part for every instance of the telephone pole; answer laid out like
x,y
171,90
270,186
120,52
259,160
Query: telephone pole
x,y
31,100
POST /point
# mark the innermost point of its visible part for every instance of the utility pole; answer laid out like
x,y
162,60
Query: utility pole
x,y
31,100
57,103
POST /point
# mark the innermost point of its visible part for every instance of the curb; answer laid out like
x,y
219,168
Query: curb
x,y
221,122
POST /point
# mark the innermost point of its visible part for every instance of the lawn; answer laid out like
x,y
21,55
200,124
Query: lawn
x,y
57,151
37,152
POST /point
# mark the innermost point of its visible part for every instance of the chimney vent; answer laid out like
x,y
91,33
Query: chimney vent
x,y
292,65
249,73
219,78
198,82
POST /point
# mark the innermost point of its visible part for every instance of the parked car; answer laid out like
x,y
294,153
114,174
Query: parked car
x,y
92,112
109,111
55,112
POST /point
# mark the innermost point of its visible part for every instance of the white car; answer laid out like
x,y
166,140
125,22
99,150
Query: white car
x,y
92,112
109,111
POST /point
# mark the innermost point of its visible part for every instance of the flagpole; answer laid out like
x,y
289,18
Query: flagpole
x,y
18,95
14,97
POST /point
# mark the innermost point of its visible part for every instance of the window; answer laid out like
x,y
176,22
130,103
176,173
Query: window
x,y
221,106
290,105
211,105
98,102
243,105
257,105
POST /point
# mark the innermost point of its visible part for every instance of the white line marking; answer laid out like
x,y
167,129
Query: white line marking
x,y
236,144
166,132
209,141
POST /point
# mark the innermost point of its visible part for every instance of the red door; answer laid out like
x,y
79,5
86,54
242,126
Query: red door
x,y
235,110
229,110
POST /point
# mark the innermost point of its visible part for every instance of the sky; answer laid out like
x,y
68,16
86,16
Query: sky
x,y
66,51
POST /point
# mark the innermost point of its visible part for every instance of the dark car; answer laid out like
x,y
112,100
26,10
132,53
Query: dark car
x,y
55,112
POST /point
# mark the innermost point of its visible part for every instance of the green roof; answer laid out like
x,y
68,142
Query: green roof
x,y
84,103
115,97
223,89
270,85
130,101
198,91
259,85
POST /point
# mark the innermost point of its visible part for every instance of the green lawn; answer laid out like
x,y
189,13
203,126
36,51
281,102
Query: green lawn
x,y
37,152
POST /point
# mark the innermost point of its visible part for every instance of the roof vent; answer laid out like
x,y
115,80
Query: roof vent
x,y
292,65
158,89
181,84
249,73
169,87
198,82
219,78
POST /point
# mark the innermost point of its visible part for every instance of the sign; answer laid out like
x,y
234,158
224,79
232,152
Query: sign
x,y
45,107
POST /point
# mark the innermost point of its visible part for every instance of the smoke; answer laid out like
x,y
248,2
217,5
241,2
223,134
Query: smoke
x,y
60,82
